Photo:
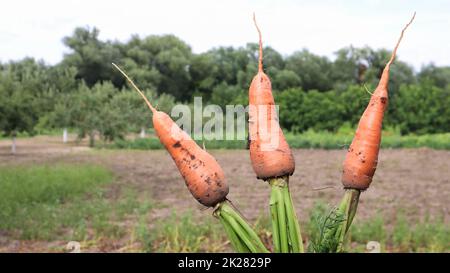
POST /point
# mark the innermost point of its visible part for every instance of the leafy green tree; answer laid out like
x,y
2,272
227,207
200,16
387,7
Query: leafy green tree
x,y
300,110
321,111
290,103
92,57
112,125
273,63
230,61
17,110
350,66
92,115
224,94
439,76
160,62
286,79
400,72
134,110
204,73
314,71
271,58
365,65
61,116
85,92
22,88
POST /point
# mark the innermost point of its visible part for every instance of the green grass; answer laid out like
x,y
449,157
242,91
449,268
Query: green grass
x,y
406,236
73,202
65,202
183,233
308,139
187,233
427,235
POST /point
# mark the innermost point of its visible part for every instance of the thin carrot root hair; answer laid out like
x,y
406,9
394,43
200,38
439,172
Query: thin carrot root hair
x,y
384,80
260,58
136,88
394,52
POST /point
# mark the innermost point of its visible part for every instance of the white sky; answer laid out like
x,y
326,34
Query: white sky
x,y
36,28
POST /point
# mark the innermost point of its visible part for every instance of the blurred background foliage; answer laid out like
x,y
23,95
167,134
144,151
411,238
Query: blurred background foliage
x,y
84,92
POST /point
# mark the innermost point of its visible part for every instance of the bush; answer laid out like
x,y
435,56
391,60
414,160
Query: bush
x,y
421,109
418,108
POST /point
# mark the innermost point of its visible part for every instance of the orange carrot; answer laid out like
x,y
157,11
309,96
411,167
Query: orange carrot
x,y
362,156
270,154
203,175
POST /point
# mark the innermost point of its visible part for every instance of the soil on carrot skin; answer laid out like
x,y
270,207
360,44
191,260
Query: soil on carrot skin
x,y
413,181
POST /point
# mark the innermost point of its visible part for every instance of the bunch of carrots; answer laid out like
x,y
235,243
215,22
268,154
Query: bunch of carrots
x,y
273,162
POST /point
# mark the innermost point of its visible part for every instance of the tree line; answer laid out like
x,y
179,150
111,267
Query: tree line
x,y
83,91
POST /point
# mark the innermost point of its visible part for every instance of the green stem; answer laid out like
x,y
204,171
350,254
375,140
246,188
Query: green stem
x,y
351,199
282,222
275,220
293,225
241,233
354,200
341,229
334,234
286,229
245,234
238,245
252,235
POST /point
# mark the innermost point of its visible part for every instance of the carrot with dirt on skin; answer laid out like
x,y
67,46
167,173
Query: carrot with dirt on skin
x,y
201,172
268,161
203,176
272,159
362,156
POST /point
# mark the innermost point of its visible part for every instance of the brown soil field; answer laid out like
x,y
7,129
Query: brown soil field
x,y
414,181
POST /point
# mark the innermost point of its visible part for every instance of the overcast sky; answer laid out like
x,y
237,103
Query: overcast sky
x,y
36,28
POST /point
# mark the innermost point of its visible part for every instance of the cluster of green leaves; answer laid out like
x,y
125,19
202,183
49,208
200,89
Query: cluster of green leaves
x,y
320,223
84,91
